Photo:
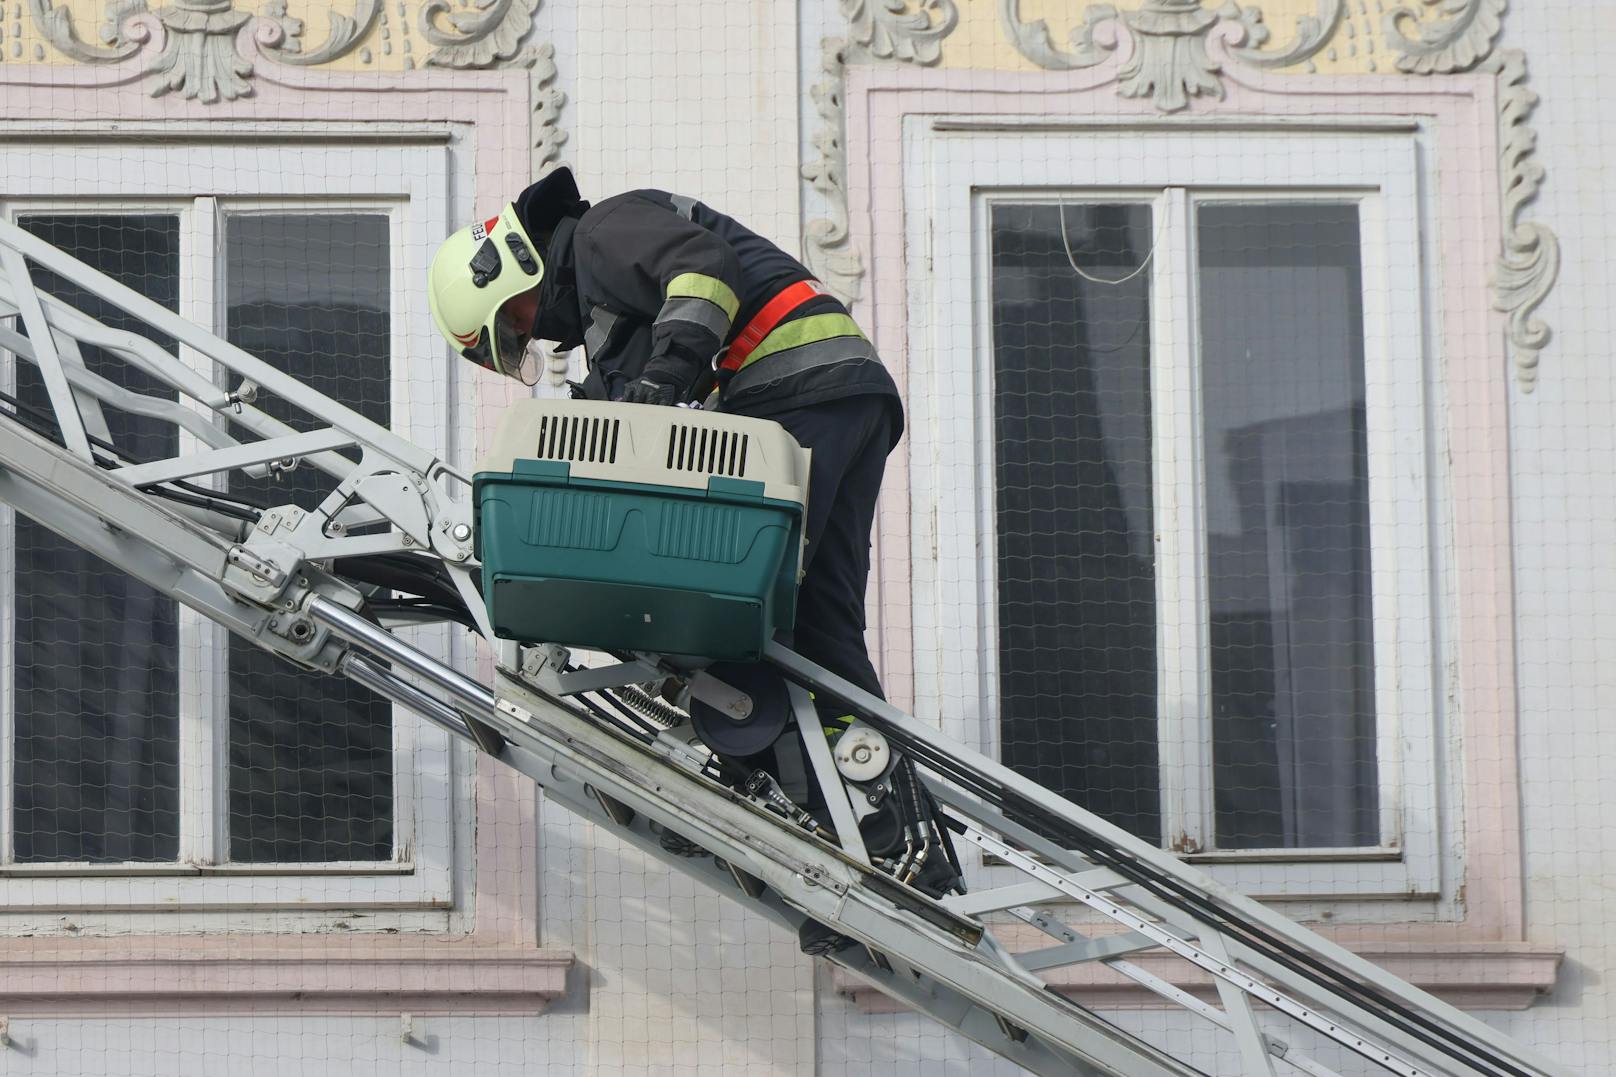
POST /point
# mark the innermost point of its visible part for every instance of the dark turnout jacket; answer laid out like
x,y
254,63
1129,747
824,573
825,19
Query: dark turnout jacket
x,y
662,275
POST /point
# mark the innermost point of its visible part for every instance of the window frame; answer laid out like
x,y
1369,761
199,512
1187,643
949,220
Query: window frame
x,y
951,179
204,183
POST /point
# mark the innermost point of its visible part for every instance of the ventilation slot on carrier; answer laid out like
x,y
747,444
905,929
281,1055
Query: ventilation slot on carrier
x,y
710,452
578,439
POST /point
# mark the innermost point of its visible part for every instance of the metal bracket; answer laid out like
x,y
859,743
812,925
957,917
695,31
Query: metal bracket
x,y
613,676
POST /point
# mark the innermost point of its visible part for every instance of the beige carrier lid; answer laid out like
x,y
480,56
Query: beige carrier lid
x,y
656,446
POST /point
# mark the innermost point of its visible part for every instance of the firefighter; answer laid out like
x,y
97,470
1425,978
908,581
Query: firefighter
x,y
674,302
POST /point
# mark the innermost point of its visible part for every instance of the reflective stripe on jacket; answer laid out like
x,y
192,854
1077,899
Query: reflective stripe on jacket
x,y
660,273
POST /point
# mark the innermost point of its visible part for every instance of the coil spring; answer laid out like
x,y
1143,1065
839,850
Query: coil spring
x,y
654,710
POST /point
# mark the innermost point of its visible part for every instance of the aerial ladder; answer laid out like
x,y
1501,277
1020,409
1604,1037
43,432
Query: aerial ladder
x,y
302,580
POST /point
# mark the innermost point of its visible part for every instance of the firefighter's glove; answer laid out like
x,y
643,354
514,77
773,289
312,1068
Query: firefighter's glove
x,y
646,391
666,380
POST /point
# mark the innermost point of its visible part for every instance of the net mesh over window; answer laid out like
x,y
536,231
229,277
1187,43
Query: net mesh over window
x,y
1076,564
1292,660
311,756
95,693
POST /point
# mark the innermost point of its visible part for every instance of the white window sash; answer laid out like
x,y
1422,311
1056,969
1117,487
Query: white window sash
x,y
951,179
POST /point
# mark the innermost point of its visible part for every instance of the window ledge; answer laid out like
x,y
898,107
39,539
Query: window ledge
x,y
139,976
1471,976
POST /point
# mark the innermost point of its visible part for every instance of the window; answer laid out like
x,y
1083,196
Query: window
x,y
144,743
1195,553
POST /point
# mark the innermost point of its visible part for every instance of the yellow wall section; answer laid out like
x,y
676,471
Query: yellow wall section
x,y
393,43
1358,46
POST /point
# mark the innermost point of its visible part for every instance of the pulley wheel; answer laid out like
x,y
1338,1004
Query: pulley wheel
x,y
752,719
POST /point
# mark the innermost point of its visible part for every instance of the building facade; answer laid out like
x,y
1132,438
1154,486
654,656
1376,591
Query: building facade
x,y
1256,493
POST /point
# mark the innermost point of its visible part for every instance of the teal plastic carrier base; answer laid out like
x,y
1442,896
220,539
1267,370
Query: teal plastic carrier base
x,y
585,552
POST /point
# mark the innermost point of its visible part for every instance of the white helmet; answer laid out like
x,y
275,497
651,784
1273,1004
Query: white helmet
x,y
473,274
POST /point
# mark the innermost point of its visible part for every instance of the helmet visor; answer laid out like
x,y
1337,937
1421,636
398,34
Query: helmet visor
x,y
505,351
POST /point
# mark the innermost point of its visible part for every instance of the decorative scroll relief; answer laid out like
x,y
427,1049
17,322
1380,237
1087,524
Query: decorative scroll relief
x,y
893,30
1092,41
345,33
907,31
199,55
205,49
1169,62
832,259
1461,37
489,34
1530,262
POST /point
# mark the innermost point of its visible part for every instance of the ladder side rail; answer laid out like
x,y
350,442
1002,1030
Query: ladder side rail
x,y
1117,963
1364,1029
371,434
48,359
160,365
1114,957
141,535
1173,930
906,728
1030,892
126,400
429,515
1190,926
237,457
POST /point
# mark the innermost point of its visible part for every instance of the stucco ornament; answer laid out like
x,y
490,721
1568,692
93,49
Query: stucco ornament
x,y
825,240
488,34
901,29
200,55
904,31
1092,40
1313,33
1530,262
1169,62
345,33
122,41
1459,37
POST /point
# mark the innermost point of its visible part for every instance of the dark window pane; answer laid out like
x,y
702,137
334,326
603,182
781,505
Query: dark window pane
x,y
96,701
1293,680
311,761
1076,555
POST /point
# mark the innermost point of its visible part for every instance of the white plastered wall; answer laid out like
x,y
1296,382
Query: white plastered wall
x,y
678,980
